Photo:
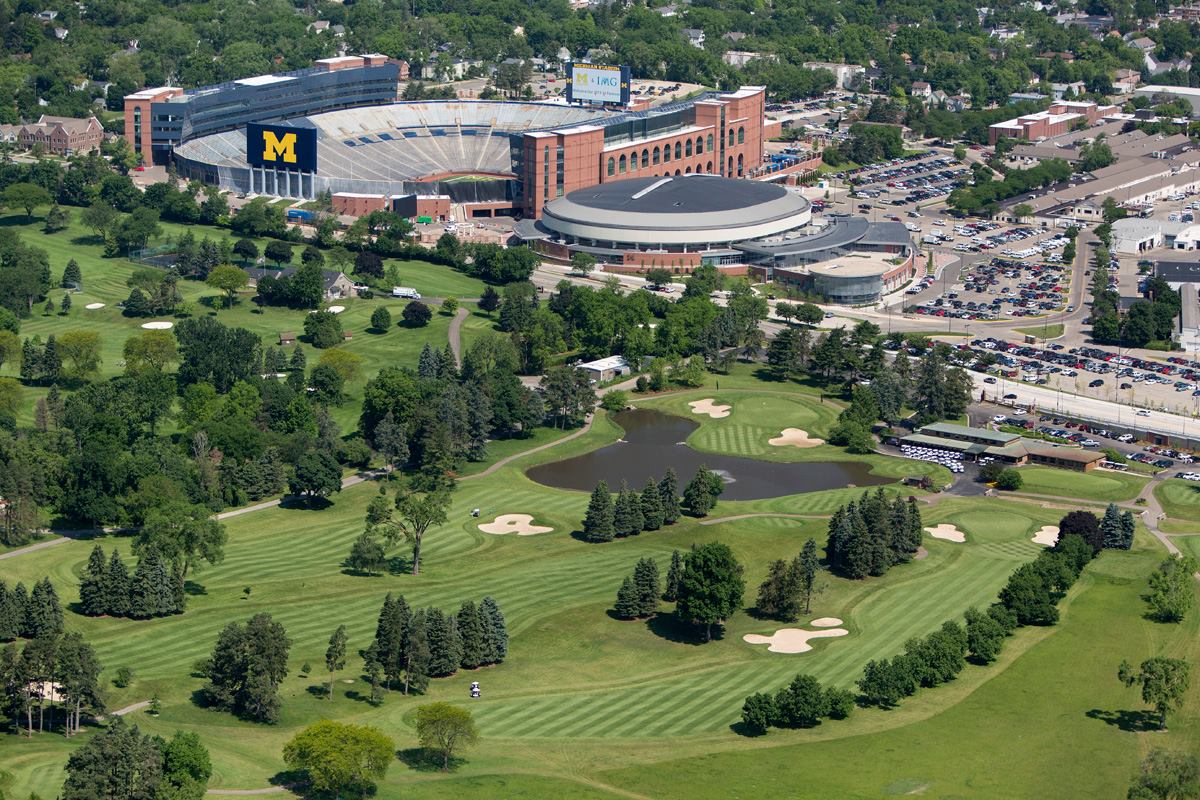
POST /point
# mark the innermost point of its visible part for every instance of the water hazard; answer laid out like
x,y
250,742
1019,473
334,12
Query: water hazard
x,y
654,441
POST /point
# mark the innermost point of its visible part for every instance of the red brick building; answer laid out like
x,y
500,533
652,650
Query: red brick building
x,y
62,136
1060,117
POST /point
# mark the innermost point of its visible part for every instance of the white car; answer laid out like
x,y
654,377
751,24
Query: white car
x,y
998,418
1143,413
1019,412
1125,437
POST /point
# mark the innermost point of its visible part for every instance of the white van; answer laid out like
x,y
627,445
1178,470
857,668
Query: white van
x,y
405,292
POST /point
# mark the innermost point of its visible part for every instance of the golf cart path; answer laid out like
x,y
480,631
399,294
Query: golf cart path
x,y
460,317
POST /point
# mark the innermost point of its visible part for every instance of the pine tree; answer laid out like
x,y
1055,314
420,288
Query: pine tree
x,y
19,607
858,549
91,584
65,306
598,521
11,617
674,573
429,363
808,566
1110,528
915,525
626,606
44,614
645,580
771,592
495,630
445,644
417,656
151,593
51,365
1127,530
72,277
627,513
335,655
474,638
651,507
668,494
390,631
298,362
116,587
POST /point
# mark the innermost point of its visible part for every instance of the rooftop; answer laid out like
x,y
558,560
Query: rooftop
x,y
951,429
681,194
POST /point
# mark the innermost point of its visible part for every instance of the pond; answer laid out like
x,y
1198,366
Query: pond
x,y
655,441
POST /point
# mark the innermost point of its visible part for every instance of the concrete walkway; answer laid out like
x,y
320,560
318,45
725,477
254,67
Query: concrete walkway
x,y
460,316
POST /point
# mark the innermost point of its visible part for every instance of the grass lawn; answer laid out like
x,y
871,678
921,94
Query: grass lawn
x,y
1179,498
1043,331
1102,486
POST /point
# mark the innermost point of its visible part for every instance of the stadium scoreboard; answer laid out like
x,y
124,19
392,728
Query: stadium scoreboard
x,y
598,83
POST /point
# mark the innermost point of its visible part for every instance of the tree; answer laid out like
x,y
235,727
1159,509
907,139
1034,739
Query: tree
x,y
279,252
1172,588
186,765
489,300
43,615
651,506
416,513
57,219
1009,480
367,555
335,655
1167,775
808,566
183,533
674,576
801,704
700,495
627,513
323,328
1164,683
710,587
80,348
450,306
27,196
228,279
341,759
645,581
598,521
758,712
381,320
626,606
246,667
246,249
391,440
446,728
100,217
416,314
119,764
495,630
668,495
985,636
317,474
369,264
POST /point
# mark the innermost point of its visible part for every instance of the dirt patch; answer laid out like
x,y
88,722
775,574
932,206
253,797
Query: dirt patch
x,y
947,532
792,640
708,406
520,524
794,437
1048,535
921,554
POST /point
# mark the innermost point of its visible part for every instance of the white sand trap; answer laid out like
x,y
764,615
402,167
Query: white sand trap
x,y
158,326
947,532
1048,535
825,622
520,524
794,437
792,640
707,406
94,306
336,309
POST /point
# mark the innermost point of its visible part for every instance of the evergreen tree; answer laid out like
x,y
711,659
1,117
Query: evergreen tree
x,y
445,644
495,632
116,587
335,655
598,521
366,555
11,619
119,764
807,566
474,637
72,277
151,591
391,628
18,601
64,307
391,440
1127,530
645,580
429,363
700,495
91,584
417,655
44,615
1110,527
668,495
627,513
674,573
771,590
651,507
626,606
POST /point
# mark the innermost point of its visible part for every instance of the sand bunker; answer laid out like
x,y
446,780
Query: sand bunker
x,y
336,309
825,622
707,406
947,532
158,326
520,524
94,306
794,437
792,640
1048,536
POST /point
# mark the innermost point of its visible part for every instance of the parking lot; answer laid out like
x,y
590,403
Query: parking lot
x,y
910,179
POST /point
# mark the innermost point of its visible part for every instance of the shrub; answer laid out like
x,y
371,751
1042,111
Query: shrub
x,y
1009,480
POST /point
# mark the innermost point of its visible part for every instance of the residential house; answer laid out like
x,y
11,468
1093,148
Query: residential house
x,y
335,284
845,75
922,89
61,33
1144,43
734,36
740,58
1060,90
49,15
1125,81
62,136
1156,67
694,36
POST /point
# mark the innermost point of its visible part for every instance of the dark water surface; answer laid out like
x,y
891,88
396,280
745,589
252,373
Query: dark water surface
x,y
654,441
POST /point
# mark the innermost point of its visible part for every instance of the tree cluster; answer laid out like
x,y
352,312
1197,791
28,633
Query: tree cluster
x,y
787,591
632,512
122,763
872,535
925,663
985,197
53,679
709,588
1172,588
154,590
29,615
246,667
639,593
803,703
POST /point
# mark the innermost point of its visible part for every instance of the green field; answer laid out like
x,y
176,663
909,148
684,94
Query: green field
x,y
589,706
1098,486
1048,331
1179,498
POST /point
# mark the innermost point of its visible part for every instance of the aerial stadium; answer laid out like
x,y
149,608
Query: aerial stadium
x,y
367,145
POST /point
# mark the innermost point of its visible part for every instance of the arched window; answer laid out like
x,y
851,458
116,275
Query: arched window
x,y
730,171
633,161
688,149
676,171
708,168
687,171
611,166
699,145
741,135
731,137
739,172
621,165
666,153
645,158
710,140
656,155
678,151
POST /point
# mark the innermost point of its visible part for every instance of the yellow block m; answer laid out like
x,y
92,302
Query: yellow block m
x,y
279,148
